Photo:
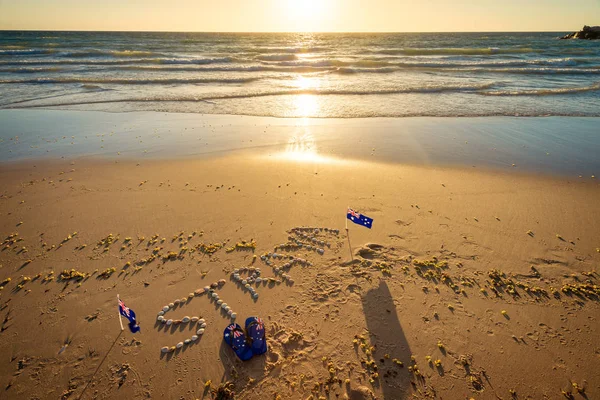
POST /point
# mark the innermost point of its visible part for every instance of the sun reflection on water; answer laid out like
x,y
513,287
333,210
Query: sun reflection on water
x,y
305,104
303,148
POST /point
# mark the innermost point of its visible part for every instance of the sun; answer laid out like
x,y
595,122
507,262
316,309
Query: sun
x,y
307,15
304,9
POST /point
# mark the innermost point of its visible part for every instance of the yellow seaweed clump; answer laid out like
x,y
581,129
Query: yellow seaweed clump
x,y
433,263
209,248
242,245
170,256
107,241
48,277
72,274
107,273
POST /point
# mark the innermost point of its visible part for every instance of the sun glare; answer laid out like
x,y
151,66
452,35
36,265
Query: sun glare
x,y
303,148
307,15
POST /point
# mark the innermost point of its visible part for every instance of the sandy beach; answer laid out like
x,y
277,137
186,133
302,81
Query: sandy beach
x,y
299,200
473,283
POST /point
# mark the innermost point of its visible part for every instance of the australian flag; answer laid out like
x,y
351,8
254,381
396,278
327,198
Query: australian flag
x,y
130,315
359,219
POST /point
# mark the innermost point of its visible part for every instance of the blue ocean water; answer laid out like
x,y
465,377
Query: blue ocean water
x,y
302,74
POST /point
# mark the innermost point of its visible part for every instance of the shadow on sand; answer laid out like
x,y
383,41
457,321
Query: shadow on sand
x,y
236,370
386,334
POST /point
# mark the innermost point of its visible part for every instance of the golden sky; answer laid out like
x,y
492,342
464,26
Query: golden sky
x,y
300,15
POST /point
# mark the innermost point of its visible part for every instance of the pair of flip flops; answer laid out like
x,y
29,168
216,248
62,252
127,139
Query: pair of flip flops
x,y
246,344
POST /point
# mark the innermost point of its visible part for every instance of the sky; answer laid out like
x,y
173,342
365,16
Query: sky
x,y
300,15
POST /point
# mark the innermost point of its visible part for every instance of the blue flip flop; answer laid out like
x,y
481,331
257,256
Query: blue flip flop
x,y
235,337
255,328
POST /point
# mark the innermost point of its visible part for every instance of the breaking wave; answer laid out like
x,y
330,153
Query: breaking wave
x,y
164,81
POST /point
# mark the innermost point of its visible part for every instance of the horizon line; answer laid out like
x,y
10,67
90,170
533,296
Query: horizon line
x,y
264,32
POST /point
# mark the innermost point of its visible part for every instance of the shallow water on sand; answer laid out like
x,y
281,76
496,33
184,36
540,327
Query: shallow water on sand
x,y
550,145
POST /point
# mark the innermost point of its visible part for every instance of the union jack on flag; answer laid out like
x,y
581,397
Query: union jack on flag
x,y
353,213
359,218
125,310
259,324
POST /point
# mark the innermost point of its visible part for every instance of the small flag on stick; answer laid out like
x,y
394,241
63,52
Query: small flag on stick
x,y
130,315
359,219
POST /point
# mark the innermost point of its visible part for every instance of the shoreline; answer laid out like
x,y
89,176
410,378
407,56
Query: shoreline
x,y
553,146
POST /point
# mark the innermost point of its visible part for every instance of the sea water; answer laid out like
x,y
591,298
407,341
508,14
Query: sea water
x,y
302,74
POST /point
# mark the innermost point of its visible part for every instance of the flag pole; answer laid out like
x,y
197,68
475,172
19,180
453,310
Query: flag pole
x,y
347,218
120,320
348,235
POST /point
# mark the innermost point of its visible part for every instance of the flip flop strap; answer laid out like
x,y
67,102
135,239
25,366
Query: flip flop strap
x,y
233,346
237,329
255,322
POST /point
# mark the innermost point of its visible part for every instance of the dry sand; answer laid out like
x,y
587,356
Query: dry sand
x,y
421,287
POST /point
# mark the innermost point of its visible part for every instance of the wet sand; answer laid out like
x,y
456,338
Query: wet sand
x,y
565,146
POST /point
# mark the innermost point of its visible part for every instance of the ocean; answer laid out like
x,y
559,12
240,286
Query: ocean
x,y
302,74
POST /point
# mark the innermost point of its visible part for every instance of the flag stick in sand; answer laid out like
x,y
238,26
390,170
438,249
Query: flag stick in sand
x,y
120,320
348,235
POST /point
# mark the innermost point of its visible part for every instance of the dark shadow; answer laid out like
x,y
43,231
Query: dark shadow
x,y
100,364
440,370
241,372
387,336
349,244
